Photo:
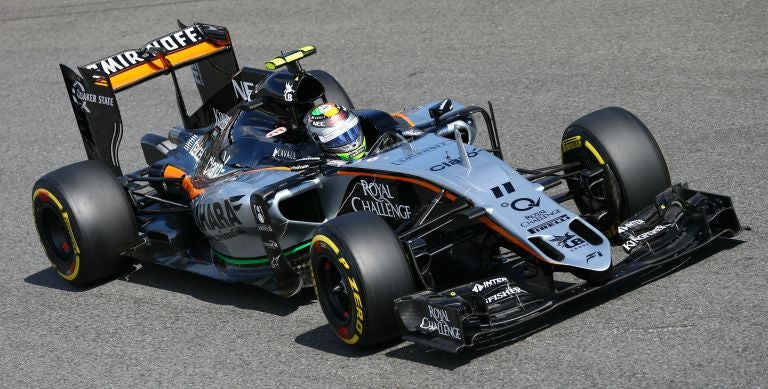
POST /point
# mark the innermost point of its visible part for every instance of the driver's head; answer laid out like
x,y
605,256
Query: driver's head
x,y
337,131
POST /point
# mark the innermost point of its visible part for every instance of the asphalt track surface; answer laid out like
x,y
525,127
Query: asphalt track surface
x,y
695,71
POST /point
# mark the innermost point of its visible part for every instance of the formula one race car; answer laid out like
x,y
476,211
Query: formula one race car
x,y
431,235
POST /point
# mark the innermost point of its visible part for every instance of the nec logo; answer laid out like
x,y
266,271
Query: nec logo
x,y
243,89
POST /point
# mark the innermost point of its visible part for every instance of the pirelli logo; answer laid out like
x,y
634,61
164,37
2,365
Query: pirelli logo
x,y
571,143
548,224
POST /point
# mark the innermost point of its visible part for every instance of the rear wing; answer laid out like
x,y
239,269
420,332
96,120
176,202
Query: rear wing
x,y
207,48
172,51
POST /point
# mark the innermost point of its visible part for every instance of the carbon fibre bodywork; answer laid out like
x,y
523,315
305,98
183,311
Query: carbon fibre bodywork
x,y
680,223
232,212
238,193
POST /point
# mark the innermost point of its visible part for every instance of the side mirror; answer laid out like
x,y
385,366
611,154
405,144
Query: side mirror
x,y
440,109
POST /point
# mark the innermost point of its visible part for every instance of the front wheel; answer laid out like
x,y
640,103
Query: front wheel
x,y
634,168
359,269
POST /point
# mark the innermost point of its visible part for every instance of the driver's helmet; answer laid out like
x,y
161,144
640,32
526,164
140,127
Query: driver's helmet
x,y
337,131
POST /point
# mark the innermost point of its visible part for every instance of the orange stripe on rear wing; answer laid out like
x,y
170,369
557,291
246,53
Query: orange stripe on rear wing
x,y
179,48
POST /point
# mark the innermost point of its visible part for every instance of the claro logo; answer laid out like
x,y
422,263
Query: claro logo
x,y
452,162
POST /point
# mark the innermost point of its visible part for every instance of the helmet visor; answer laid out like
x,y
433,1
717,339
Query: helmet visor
x,y
345,138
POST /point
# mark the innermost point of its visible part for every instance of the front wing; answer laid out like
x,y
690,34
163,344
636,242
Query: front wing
x,y
681,222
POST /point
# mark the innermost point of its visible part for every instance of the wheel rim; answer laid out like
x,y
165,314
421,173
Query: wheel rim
x,y
57,240
584,200
334,291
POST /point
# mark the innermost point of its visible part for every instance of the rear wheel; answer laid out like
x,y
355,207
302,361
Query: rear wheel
x,y
359,268
84,220
635,169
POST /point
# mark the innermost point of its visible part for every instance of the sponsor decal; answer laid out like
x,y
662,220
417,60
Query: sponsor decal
x,y
189,145
632,223
271,244
378,198
455,161
383,197
261,224
504,295
548,224
571,143
171,42
593,255
269,240
421,152
523,204
259,213
195,146
288,92
358,301
285,151
243,89
412,132
438,321
569,241
220,118
218,215
538,217
214,166
634,240
338,162
498,193
197,75
479,287
277,131
80,97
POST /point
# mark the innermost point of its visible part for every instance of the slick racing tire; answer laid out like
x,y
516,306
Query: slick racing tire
x,y
636,169
334,92
84,220
359,269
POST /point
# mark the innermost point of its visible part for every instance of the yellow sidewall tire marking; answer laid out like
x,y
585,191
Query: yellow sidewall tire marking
x,y
326,240
65,217
322,238
594,152
351,340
